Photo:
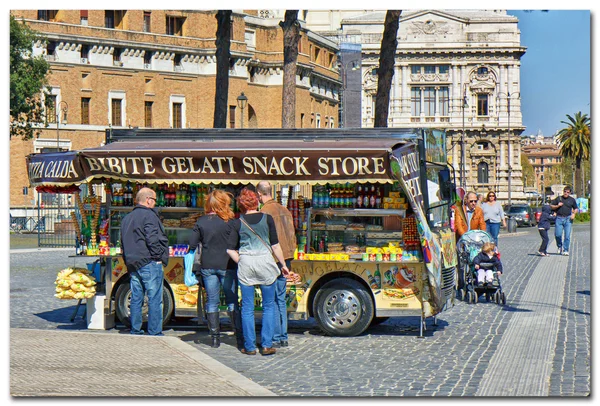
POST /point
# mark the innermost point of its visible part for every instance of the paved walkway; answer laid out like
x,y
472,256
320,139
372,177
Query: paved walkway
x,y
106,364
522,364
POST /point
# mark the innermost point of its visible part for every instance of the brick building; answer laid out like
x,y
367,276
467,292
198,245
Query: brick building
x,y
545,159
156,69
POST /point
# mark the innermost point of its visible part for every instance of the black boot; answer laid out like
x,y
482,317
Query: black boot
x,y
236,325
214,328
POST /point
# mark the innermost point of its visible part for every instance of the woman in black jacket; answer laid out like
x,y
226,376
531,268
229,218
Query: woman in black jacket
x,y
543,227
217,269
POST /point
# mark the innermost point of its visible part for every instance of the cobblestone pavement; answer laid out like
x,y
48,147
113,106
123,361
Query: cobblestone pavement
x,y
470,348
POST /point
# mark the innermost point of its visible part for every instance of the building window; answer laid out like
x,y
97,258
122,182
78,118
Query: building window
x,y
177,115
109,19
331,123
175,25
231,116
50,50
444,101
85,110
317,57
85,51
177,61
429,101
482,104
250,38
482,70
47,15
83,17
300,45
301,120
415,101
482,173
318,123
51,109
429,69
148,114
415,69
147,59
147,15
116,113
443,69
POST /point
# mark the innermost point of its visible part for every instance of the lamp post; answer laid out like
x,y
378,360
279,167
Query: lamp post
x,y
62,107
508,96
344,69
462,142
242,100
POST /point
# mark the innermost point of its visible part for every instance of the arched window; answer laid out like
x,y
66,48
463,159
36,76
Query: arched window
x,y
482,173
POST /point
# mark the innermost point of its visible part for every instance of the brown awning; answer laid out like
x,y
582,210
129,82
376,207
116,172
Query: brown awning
x,y
236,161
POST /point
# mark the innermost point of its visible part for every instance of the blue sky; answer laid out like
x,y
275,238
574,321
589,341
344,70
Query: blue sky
x,y
555,70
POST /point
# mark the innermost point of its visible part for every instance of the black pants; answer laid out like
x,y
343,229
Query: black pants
x,y
545,240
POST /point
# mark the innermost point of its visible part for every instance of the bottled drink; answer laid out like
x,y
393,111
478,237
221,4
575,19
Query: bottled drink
x,y
372,282
326,192
118,248
359,197
188,196
378,198
325,243
161,196
372,197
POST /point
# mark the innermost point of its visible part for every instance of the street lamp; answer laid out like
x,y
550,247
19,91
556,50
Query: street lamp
x,y
462,141
344,69
242,100
508,98
62,107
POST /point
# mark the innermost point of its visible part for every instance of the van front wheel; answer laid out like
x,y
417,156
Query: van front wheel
x,y
343,307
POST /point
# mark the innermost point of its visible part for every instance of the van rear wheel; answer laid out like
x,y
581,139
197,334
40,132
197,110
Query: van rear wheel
x,y
343,307
123,298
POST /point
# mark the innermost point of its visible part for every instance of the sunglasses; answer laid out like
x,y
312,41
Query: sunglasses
x,y
472,201
152,198
492,196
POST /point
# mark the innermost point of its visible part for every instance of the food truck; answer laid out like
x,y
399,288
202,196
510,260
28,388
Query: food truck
x,y
371,209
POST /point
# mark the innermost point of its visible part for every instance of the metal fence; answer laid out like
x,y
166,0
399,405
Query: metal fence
x,y
54,212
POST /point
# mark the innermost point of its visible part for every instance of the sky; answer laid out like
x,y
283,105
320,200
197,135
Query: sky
x,y
555,70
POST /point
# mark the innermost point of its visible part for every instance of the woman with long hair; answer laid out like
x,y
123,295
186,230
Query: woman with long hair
x,y
252,244
217,269
493,214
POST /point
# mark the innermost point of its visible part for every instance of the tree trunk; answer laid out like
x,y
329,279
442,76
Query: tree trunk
x,y
291,36
223,55
578,190
385,71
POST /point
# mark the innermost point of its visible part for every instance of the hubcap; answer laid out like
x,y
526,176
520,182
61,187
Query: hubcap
x,y
342,309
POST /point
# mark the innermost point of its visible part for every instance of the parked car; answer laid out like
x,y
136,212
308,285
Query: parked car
x,y
522,213
538,214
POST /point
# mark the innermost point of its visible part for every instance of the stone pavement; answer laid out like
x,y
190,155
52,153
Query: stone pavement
x,y
65,363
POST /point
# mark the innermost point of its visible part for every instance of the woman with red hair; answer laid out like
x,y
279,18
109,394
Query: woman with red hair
x,y
252,244
217,269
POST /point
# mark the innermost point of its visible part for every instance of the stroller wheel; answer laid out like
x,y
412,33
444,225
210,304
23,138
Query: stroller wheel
x,y
503,299
469,297
475,296
462,294
497,297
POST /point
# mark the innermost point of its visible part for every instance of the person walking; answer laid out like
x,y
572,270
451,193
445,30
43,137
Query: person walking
x,y
252,244
493,214
469,217
543,227
145,251
217,268
284,224
565,207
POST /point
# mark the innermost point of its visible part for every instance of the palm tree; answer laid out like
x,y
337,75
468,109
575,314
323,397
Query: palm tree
x,y
574,142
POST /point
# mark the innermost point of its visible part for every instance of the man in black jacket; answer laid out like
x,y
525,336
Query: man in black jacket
x,y
145,252
565,207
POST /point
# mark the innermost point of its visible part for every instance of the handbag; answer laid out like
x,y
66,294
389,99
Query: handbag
x,y
189,277
263,241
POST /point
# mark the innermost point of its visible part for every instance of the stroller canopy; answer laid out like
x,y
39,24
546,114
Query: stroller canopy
x,y
471,242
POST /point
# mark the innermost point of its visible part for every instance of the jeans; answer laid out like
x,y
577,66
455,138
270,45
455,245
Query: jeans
x,y
563,223
148,280
545,240
493,229
280,331
268,317
213,279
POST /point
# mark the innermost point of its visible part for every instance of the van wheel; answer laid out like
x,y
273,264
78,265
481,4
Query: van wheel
x,y
123,298
343,307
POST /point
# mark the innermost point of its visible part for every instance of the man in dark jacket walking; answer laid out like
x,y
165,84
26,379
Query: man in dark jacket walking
x,y
145,252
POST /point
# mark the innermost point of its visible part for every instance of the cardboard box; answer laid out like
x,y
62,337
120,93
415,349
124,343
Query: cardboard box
x,y
96,316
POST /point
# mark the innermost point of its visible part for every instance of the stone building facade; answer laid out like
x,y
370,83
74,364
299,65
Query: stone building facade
x,y
157,68
456,70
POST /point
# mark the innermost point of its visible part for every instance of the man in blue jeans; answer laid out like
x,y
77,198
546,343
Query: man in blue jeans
x,y
145,252
565,207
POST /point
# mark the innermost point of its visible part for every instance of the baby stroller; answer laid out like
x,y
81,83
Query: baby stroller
x,y
468,246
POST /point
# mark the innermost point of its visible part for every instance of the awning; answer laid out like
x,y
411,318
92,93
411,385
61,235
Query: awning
x,y
228,161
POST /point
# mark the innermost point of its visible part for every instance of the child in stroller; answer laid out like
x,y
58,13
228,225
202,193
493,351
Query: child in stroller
x,y
485,263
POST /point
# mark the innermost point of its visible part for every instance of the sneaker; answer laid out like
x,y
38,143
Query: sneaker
x,y
560,251
283,343
566,253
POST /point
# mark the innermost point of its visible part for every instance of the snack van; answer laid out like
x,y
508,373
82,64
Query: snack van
x,y
371,209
